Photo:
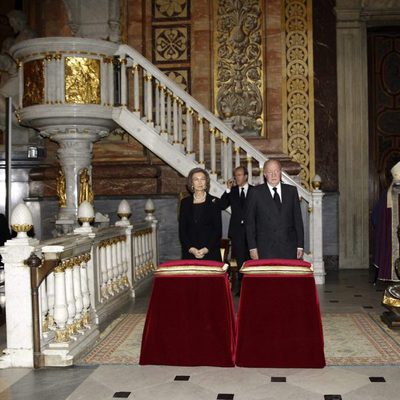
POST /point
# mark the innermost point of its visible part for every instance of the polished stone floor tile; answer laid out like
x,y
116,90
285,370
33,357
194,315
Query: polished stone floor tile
x,y
47,384
350,289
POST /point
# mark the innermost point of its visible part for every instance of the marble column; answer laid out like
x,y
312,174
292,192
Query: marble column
x,y
74,154
352,135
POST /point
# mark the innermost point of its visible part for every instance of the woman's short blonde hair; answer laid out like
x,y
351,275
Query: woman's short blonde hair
x,y
189,181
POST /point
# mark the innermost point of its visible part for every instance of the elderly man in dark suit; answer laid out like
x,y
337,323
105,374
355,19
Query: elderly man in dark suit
x,y
235,196
274,224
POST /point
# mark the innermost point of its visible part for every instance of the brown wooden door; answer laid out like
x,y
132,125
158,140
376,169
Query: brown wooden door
x,y
384,108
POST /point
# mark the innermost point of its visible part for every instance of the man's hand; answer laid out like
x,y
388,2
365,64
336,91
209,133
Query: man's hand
x,y
300,254
230,183
254,254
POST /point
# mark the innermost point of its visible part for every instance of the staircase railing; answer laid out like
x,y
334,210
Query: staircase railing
x,y
60,290
184,122
156,106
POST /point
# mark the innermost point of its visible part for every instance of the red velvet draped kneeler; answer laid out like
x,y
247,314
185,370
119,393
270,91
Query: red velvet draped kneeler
x,y
279,320
190,319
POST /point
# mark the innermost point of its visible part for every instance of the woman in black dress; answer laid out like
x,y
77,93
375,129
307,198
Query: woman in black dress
x,y
200,225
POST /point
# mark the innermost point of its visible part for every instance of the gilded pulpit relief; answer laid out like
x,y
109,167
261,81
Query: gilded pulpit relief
x,y
85,188
239,64
61,189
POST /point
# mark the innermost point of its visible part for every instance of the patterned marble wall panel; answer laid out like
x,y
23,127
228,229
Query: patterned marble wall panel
x,y
171,39
171,44
181,76
171,9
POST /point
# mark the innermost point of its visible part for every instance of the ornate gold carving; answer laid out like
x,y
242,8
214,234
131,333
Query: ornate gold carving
x,y
61,189
85,188
33,83
82,80
239,63
298,93
61,336
21,228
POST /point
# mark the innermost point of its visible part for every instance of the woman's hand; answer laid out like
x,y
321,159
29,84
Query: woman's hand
x,y
203,251
196,252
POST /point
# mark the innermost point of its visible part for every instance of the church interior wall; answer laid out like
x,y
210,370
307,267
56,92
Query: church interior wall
x,y
129,160
326,138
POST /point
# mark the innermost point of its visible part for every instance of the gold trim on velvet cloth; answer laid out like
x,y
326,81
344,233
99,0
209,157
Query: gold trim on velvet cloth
x,y
191,270
276,269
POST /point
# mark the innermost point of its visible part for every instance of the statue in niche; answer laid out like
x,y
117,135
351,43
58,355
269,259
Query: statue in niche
x,y
8,68
61,189
85,190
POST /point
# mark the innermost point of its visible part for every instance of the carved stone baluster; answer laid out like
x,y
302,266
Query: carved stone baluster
x,y
189,133
157,105
104,272
230,158
69,291
163,132
250,169
85,291
124,262
119,262
124,88
136,98
180,123
201,142
50,299
169,116
76,273
60,304
213,153
149,98
175,122
114,265
109,265
225,157
237,157
44,309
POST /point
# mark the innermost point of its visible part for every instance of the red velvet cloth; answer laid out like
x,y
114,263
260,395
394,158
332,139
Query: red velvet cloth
x,y
278,261
279,322
190,321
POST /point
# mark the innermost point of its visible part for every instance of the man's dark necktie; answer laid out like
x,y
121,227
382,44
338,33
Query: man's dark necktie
x,y
277,199
242,198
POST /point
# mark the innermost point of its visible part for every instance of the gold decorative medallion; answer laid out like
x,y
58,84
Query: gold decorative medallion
x,y
82,80
33,83
239,64
298,87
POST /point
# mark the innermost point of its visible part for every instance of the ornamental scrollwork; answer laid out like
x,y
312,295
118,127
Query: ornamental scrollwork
x,y
239,64
299,86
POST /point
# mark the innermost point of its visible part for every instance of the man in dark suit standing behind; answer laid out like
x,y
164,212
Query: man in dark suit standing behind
x,y
236,196
274,224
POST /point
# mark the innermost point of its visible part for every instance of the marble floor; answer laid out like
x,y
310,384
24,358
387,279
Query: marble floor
x,y
347,291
